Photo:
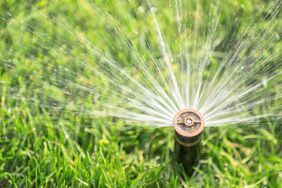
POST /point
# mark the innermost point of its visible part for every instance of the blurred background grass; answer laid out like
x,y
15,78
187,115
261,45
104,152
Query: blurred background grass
x,y
47,139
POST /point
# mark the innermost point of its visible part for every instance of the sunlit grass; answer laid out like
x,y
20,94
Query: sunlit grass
x,y
43,143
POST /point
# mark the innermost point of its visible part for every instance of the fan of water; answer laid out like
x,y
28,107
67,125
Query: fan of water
x,y
144,62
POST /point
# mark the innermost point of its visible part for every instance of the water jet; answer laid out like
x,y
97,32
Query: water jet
x,y
188,125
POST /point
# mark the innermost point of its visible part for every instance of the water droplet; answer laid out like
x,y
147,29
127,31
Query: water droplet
x,y
153,9
264,82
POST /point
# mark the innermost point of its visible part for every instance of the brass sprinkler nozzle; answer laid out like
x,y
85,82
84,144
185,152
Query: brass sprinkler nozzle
x,y
188,125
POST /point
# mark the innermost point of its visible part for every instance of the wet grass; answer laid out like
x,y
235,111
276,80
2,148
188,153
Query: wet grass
x,y
45,144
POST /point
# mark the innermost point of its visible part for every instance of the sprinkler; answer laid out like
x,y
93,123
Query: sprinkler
x,y
188,125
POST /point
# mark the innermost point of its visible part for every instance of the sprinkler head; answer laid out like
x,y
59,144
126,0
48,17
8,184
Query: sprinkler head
x,y
188,125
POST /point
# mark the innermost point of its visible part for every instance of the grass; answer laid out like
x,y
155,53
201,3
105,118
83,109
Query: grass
x,y
47,139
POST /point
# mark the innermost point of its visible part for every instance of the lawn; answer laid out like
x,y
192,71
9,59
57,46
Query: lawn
x,y
49,81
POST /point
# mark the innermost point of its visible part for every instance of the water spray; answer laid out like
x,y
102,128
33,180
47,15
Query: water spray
x,y
188,125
